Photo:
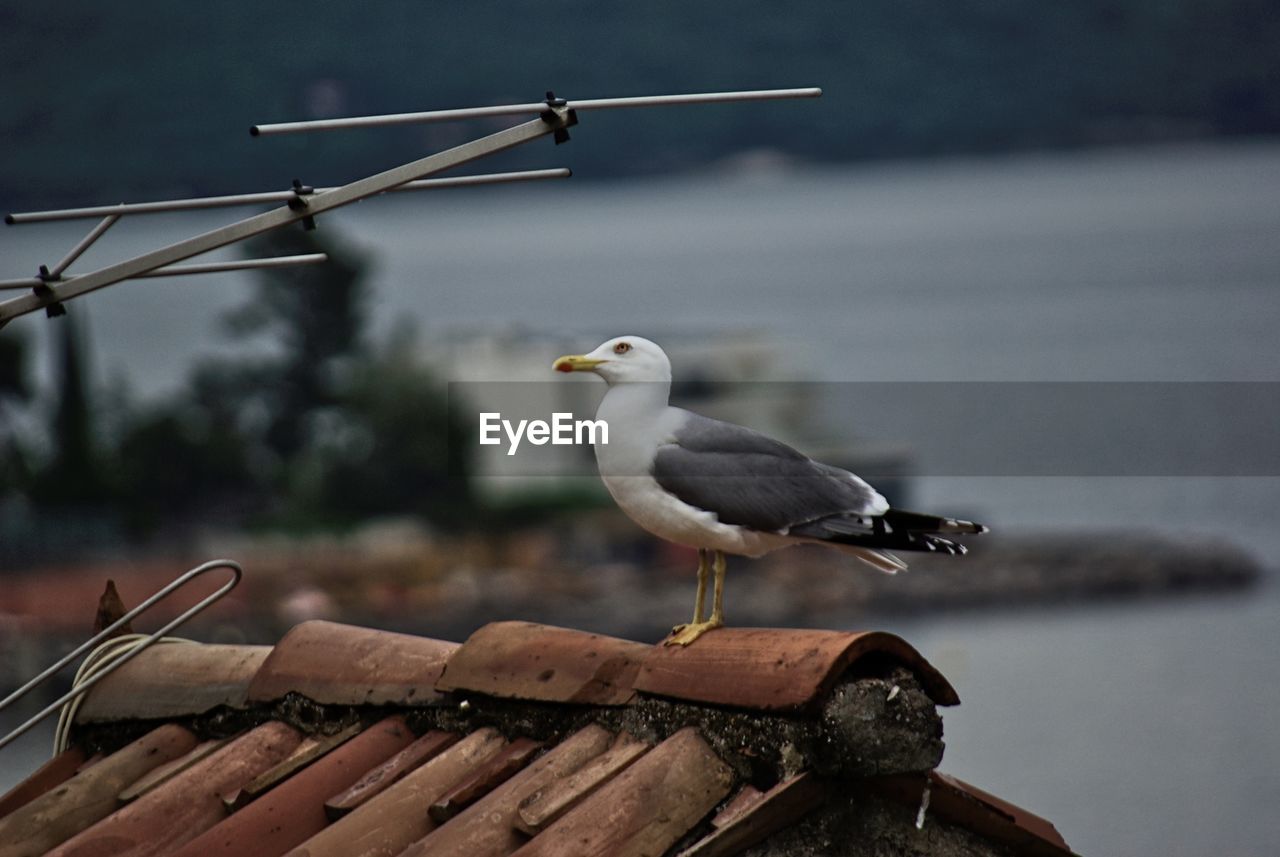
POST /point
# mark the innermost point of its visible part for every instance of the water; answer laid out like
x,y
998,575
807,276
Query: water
x,y
1136,729
1150,264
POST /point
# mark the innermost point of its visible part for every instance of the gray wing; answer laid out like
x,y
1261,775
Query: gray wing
x,y
754,481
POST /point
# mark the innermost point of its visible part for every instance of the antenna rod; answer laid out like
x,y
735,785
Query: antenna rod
x,y
194,268
535,107
268,196
85,243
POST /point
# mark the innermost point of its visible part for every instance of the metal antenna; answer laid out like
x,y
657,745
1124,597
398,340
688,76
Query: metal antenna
x,y
554,116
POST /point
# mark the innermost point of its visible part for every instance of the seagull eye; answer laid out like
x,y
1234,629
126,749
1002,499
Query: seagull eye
x,y
622,348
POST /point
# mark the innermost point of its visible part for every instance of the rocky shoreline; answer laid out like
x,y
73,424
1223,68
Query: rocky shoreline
x,y
807,587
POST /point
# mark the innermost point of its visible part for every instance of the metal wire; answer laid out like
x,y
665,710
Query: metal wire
x,y
236,574
101,659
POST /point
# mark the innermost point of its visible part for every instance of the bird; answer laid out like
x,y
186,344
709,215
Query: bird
x,y
726,489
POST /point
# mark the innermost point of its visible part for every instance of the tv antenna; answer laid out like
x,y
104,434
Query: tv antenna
x,y
53,286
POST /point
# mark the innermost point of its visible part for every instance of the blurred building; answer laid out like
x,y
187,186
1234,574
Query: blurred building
x,y
741,376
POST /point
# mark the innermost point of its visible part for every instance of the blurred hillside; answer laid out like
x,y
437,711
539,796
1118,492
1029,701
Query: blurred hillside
x,y
111,102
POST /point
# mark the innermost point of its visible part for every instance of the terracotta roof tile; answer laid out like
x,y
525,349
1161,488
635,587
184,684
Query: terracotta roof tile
x,y
51,774
544,806
747,797
523,660
174,680
167,771
89,796
185,806
294,811
388,823
381,791
954,800
487,829
759,815
345,665
774,670
484,779
308,750
389,773
646,808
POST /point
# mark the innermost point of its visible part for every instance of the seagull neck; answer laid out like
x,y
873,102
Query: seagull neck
x,y
635,398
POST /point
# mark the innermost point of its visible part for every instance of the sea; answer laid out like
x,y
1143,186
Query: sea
x,y
1138,728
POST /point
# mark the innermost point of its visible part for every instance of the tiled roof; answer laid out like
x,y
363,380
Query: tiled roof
x,y
526,739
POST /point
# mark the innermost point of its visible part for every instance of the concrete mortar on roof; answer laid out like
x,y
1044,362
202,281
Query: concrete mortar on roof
x,y
858,732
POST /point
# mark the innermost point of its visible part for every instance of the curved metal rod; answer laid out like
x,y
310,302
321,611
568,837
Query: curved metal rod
x,y
236,574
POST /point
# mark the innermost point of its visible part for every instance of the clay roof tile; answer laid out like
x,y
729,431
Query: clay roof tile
x,y
292,812
754,816
174,680
51,774
775,670
89,796
382,791
390,772
345,665
644,810
185,806
524,660
1022,832
387,824
487,828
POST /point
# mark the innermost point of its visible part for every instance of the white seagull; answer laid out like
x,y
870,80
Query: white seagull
x,y
723,488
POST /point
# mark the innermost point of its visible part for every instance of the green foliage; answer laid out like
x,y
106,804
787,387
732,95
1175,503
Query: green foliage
x,y
390,447
313,317
311,426
175,464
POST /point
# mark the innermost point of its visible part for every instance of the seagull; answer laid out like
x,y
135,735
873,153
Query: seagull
x,y
726,489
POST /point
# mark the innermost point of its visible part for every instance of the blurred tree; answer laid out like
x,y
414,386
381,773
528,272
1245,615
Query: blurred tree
x,y
391,448
313,317
177,462
74,476
309,425
13,367
14,393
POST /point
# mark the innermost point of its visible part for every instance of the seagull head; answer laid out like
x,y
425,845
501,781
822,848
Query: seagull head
x,y
621,360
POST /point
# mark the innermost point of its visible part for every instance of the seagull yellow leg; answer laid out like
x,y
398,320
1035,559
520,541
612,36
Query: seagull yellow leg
x,y
683,635
700,603
717,604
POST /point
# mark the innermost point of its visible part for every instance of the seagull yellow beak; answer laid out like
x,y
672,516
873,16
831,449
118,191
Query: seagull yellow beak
x,y
575,363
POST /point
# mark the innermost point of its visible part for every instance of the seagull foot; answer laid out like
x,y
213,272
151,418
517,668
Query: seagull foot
x,y
683,635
